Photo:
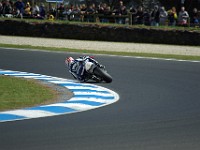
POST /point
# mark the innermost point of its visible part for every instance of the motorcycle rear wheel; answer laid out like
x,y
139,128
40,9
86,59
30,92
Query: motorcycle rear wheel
x,y
103,74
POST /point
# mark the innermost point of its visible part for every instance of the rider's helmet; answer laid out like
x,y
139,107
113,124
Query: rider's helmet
x,y
69,60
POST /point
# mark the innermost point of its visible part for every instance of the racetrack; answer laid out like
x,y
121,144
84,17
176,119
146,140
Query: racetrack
x,y
158,107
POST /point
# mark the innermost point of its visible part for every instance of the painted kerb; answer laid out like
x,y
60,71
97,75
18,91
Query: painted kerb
x,y
85,97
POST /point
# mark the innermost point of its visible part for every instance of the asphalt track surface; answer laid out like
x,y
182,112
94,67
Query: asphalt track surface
x,y
159,107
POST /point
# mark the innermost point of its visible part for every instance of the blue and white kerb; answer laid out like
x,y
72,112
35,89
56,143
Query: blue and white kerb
x,y
85,97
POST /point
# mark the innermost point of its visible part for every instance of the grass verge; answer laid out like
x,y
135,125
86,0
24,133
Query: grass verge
x,y
166,56
19,93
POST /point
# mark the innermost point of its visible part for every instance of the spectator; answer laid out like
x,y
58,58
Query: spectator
x,y
118,8
123,12
104,11
19,5
7,9
1,9
195,17
94,7
172,17
42,11
35,10
76,13
133,12
27,10
100,8
155,17
50,17
119,11
147,18
107,12
83,9
12,6
52,11
68,13
163,16
183,17
139,16
61,10
90,11
69,10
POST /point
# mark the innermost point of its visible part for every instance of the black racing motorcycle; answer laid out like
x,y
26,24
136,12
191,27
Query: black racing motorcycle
x,y
95,71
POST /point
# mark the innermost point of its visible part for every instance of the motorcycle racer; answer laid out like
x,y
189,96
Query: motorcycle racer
x,y
77,66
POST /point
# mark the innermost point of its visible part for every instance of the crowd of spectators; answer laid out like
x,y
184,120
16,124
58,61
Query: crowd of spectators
x,y
102,13
161,16
19,9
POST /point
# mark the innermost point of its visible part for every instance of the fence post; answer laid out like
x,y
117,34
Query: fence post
x,y
130,18
188,20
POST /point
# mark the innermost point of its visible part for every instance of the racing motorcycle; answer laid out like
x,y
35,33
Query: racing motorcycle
x,y
95,71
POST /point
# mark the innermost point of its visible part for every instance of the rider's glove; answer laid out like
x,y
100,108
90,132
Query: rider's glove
x,y
101,66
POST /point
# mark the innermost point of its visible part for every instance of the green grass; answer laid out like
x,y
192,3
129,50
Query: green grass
x,y
19,93
166,56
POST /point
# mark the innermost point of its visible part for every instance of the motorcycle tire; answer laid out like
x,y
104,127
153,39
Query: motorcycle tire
x,y
103,74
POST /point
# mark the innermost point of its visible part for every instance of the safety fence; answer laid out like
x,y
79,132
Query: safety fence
x,y
129,19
